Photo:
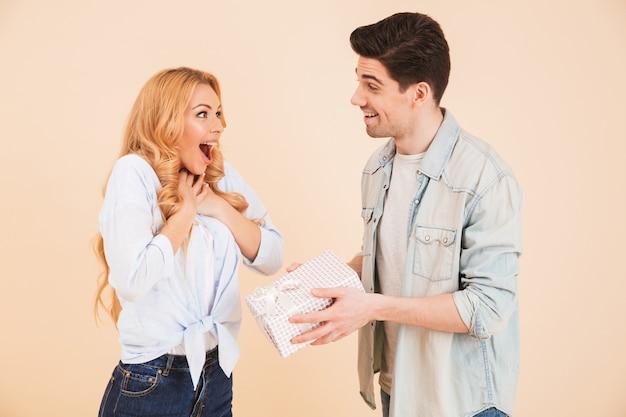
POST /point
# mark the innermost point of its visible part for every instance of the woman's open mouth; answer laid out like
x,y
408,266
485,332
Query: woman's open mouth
x,y
206,149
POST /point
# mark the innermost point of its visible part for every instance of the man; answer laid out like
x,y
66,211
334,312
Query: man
x,y
442,238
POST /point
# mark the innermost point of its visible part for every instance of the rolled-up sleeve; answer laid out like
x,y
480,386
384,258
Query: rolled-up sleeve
x,y
489,264
270,256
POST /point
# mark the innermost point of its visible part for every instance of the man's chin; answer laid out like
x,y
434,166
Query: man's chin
x,y
374,133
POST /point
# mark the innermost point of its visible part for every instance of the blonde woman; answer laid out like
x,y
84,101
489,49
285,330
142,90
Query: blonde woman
x,y
175,223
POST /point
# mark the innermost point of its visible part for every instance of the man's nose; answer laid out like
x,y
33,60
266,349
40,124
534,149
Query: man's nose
x,y
357,98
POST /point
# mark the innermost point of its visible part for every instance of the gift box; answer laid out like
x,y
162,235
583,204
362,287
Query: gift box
x,y
290,294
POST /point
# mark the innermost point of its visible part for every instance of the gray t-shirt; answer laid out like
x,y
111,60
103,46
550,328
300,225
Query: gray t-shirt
x,y
392,245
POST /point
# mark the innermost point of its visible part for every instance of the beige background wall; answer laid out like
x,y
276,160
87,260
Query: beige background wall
x,y
543,80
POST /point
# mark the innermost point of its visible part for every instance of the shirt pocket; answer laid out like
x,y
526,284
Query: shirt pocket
x,y
434,252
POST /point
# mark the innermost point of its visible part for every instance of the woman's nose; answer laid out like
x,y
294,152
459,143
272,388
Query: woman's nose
x,y
218,126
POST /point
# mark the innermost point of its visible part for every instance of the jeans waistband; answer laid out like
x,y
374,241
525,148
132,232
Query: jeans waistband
x,y
169,362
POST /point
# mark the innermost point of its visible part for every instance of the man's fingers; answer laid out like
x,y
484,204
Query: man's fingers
x,y
315,317
293,266
314,334
327,292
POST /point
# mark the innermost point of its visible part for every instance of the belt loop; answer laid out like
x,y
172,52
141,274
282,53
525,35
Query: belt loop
x,y
168,366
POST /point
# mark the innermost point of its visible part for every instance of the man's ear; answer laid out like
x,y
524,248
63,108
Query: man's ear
x,y
421,92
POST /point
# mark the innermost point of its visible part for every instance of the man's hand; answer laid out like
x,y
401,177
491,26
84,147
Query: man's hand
x,y
351,310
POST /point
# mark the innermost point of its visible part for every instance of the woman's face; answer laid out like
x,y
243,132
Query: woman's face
x,y
202,130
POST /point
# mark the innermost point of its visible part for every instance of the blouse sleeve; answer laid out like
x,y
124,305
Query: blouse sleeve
x,y
270,256
129,219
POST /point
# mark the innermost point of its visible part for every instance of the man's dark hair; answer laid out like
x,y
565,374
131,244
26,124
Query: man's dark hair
x,y
411,46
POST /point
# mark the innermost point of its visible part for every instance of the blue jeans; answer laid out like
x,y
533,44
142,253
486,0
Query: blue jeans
x,y
163,387
385,399
491,412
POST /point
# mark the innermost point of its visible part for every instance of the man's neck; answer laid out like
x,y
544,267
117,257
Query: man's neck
x,y
425,130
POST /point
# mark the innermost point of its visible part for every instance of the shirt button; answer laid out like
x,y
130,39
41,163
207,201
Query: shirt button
x,y
445,240
427,238
417,201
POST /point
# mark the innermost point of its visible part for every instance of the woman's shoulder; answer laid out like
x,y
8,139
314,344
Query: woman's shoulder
x,y
134,166
229,169
232,177
133,163
132,160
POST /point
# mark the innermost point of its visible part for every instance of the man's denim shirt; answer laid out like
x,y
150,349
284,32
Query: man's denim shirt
x,y
464,238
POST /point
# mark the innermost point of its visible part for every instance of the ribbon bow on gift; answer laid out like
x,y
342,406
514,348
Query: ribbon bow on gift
x,y
274,294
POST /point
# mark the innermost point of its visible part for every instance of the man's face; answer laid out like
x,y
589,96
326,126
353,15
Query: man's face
x,y
386,110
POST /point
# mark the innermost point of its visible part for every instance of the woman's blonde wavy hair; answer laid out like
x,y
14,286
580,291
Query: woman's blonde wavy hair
x,y
155,124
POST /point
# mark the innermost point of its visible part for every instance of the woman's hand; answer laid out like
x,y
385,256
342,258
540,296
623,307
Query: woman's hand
x,y
193,191
212,205
246,233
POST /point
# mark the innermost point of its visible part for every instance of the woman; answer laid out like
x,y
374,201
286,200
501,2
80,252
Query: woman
x,y
175,222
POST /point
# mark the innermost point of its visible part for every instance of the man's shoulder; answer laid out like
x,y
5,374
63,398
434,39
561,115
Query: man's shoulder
x,y
472,153
475,164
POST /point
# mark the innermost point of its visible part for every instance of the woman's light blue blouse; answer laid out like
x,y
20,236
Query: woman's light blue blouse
x,y
187,299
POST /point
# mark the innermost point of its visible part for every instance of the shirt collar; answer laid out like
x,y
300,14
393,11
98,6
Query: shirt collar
x,y
437,154
440,149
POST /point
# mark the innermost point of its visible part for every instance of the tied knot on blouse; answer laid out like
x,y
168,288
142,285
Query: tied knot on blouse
x,y
194,334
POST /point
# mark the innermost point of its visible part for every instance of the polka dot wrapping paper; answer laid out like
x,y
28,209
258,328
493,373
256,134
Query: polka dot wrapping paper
x,y
290,294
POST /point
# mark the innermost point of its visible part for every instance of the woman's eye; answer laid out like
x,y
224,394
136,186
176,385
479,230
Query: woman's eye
x,y
202,114
218,114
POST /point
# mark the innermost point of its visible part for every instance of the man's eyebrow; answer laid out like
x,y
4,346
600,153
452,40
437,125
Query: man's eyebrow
x,y
370,77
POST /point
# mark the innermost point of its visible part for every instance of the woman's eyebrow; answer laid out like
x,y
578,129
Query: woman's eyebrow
x,y
206,105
